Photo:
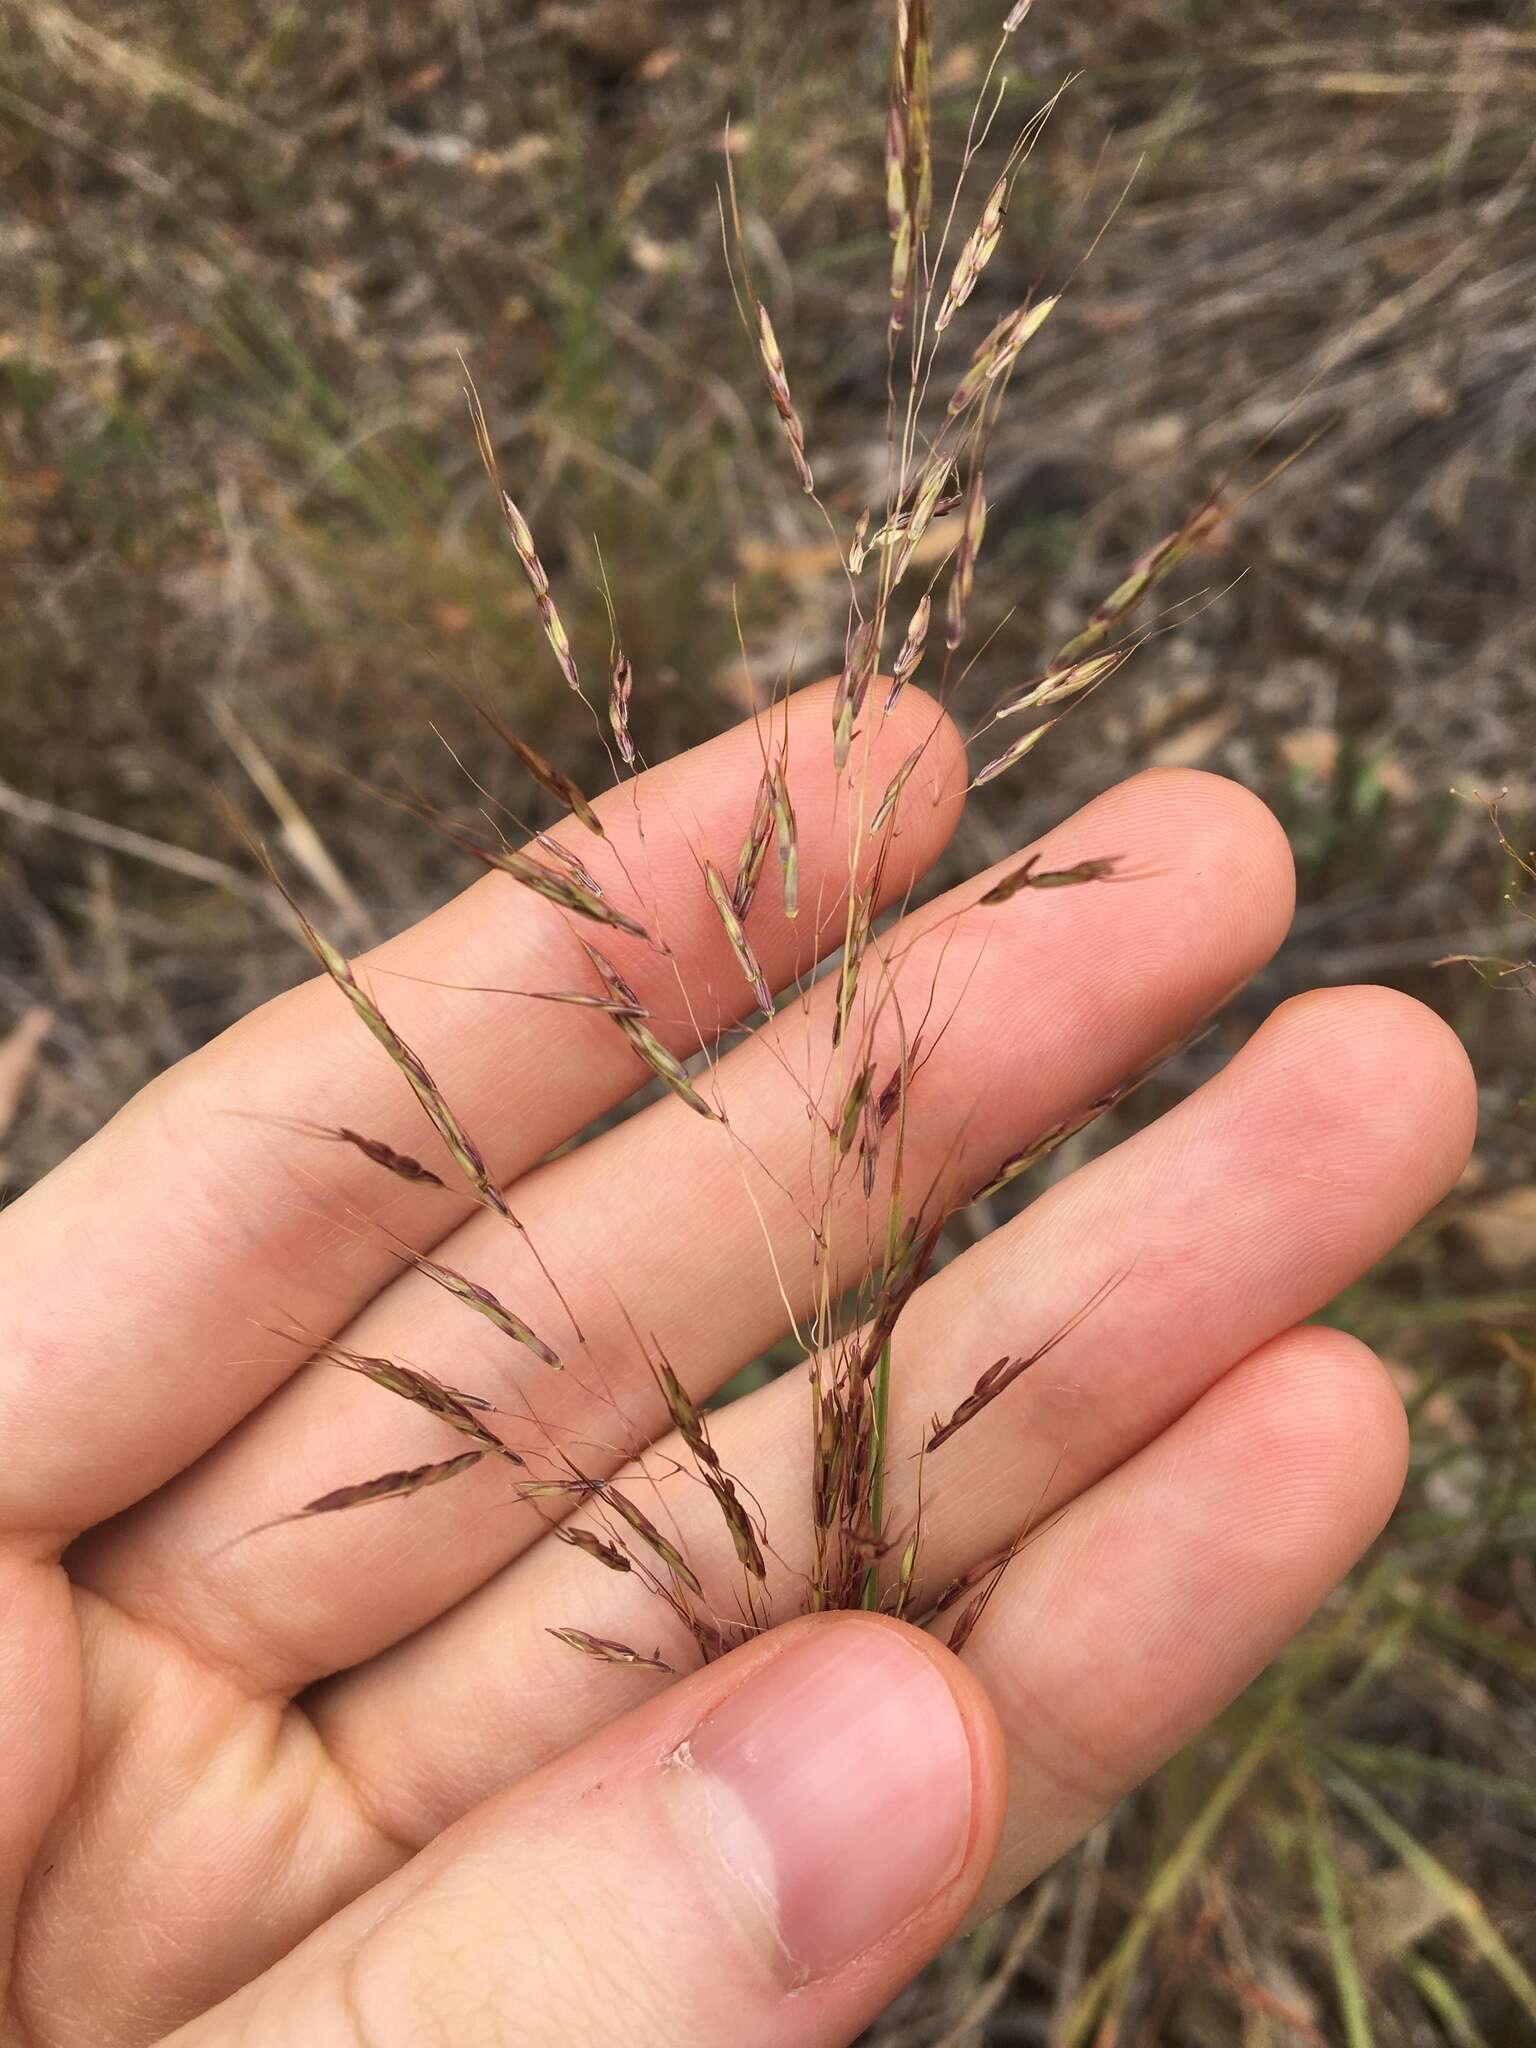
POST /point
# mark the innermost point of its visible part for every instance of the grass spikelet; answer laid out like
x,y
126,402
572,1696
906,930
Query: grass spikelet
x,y
1145,573
736,936
388,1486
460,1411
523,546
694,1431
663,1064
565,892
860,924
858,546
754,848
651,1536
976,253
999,1377
1016,16
910,654
852,687
621,686
400,1164
772,359
925,507
605,1651
854,1104
465,1153
1011,755
570,861
787,839
997,355
484,1303
897,784
1030,875
962,578
1056,684
594,1546
549,778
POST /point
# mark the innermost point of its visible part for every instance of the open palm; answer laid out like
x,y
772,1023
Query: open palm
x,y
337,1783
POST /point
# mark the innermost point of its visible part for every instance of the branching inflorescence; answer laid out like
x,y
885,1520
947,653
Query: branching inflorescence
x,y
912,562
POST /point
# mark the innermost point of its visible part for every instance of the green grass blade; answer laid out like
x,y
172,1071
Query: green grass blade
x,y
1460,1900
1353,1994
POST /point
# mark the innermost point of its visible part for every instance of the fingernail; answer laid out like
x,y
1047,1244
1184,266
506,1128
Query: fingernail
x,y
837,1783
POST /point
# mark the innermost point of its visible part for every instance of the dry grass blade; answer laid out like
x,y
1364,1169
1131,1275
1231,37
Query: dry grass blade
x,y
736,937
605,1651
484,1303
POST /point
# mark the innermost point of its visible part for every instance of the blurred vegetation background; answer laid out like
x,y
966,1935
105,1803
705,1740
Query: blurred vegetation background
x,y
246,549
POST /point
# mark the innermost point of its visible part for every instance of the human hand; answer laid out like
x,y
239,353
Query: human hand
x,y
337,1784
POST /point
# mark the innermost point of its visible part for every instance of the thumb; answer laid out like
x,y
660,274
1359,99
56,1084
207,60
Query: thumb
x,y
764,1854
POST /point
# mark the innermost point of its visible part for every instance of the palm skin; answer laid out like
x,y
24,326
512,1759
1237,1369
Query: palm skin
x,y
212,1747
